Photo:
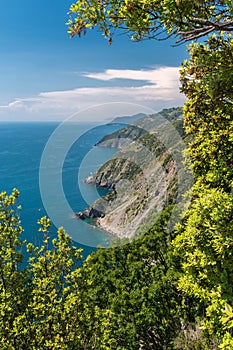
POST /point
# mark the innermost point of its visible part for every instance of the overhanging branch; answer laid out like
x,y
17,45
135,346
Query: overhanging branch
x,y
204,27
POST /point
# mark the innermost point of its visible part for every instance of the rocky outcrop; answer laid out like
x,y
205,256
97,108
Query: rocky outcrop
x,y
102,180
90,213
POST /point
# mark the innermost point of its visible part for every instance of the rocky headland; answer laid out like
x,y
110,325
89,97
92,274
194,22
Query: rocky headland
x,y
143,177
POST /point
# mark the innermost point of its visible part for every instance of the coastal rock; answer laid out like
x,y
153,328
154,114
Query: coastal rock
x,y
144,177
94,213
80,215
90,213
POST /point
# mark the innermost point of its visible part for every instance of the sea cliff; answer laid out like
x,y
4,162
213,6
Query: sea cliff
x,y
143,176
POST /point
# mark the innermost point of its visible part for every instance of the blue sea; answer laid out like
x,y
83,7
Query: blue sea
x,y
48,162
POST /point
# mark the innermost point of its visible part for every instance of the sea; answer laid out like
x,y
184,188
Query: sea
x,y
48,162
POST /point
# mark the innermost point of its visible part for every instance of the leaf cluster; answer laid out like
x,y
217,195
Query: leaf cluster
x,y
121,298
143,19
205,234
207,80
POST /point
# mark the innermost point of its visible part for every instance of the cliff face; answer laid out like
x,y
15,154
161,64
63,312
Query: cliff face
x,y
144,176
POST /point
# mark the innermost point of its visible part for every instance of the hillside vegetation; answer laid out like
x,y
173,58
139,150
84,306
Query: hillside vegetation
x,y
170,289
144,176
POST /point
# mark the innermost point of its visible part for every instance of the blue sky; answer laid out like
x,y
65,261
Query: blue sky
x,y
46,75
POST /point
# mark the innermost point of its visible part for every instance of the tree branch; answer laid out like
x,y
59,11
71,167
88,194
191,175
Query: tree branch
x,y
208,27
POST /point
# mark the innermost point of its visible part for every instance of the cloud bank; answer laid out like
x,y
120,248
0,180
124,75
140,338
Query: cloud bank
x,y
156,88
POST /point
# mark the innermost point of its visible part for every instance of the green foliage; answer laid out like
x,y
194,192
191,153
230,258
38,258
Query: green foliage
x,y
205,236
40,305
122,298
52,297
151,19
207,80
136,285
12,280
166,290
207,239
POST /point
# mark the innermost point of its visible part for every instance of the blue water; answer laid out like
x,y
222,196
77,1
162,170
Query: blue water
x,y
21,149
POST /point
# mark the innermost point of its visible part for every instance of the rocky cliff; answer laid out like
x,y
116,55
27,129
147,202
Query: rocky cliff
x,y
144,176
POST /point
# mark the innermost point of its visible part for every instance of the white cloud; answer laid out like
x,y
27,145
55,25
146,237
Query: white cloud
x,y
159,89
161,76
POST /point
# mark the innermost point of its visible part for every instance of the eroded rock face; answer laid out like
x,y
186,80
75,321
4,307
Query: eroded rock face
x,y
139,201
102,180
142,179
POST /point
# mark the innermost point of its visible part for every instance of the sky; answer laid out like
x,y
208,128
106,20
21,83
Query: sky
x,y
47,76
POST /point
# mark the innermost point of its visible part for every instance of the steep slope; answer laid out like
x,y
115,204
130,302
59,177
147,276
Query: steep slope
x,y
144,176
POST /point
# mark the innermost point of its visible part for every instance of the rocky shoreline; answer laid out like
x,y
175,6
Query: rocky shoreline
x,y
142,178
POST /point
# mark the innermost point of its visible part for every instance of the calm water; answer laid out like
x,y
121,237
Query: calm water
x,y
21,149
